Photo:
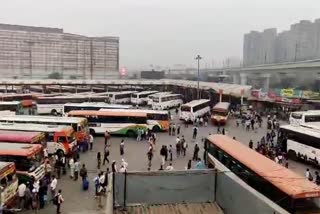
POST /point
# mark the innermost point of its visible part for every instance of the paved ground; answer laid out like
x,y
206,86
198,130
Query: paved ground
x,y
77,201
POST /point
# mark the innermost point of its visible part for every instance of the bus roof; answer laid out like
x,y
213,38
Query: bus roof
x,y
10,102
34,127
18,136
19,149
222,105
168,95
309,112
42,118
114,112
147,111
195,102
284,179
99,104
160,93
145,92
303,129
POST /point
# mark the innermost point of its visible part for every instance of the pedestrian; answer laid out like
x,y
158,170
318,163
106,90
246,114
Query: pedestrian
x,y
42,194
195,152
150,156
21,193
178,147
250,144
122,169
60,200
170,167
122,147
76,169
166,153
177,111
83,172
63,164
162,154
98,160
35,201
106,181
195,132
173,130
97,183
53,186
106,138
201,121
170,129
178,129
189,164
184,146
114,166
308,175
91,141
317,179
28,196
170,152
139,134
57,167
71,164
218,129
106,155
252,123
223,131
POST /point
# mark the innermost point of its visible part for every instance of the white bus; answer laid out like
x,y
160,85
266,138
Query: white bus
x,y
92,106
141,98
24,107
157,120
302,117
123,97
166,101
300,142
194,109
150,97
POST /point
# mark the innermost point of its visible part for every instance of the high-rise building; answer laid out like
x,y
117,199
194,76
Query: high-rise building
x,y
301,42
38,52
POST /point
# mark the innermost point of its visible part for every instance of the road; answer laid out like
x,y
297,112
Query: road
x,y
78,201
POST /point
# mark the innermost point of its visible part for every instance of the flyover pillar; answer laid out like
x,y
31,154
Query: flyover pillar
x,y
235,79
265,81
243,78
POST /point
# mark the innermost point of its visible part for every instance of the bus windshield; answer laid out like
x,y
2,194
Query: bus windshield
x,y
35,161
155,99
220,113
186,108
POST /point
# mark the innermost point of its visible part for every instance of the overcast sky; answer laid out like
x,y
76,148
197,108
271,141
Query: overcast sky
x,y
163,32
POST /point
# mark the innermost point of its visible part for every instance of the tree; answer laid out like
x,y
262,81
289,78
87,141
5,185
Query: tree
x,y
55,75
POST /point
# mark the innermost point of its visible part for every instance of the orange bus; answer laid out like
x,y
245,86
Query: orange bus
x,y
220,113
284,187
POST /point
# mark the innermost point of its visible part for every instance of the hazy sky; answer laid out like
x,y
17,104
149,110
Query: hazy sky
x,y
163,32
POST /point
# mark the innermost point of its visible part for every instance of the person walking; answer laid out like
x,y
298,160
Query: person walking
x,y
114,166
150,156
178,129
184,146
60,200
76,169
195,132
173,130
106,155
162,154
98,160
71,165
35,201
21,193
250,144
91,141
189,164
53,186
170,129
83,172
223,131
170,152
106,138
122,147
42,194
166,153
195,152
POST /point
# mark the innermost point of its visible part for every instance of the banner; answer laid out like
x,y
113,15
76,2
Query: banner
x,y
287,92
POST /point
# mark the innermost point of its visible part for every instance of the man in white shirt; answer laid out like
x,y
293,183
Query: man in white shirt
x,y
21,193
102,179
59,201
122,169
170,167
124,163
72,166
91,141
307,173
53,186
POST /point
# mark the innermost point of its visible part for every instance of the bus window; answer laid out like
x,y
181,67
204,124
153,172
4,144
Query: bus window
x,y
185,108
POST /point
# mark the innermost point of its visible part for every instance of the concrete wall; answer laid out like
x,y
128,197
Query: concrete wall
x,y
165,187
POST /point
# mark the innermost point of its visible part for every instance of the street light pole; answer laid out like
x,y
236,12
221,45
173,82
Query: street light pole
x,y
198,58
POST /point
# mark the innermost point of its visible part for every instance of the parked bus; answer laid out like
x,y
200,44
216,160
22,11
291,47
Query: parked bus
x,y
59,139
141,98
150,97
284,187
301,143
194,109
25,107
166,101
9,183
157,120
28,158
92,106
115,122
220,113
54,105
303,117
22,137
79,124
123,97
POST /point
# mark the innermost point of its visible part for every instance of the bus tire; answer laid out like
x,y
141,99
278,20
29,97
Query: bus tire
x,y
54,112
131,133
292,155
156,128
92,132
